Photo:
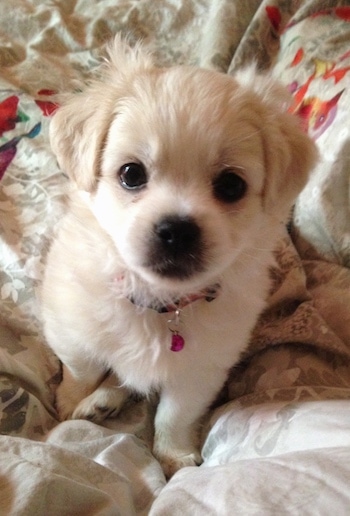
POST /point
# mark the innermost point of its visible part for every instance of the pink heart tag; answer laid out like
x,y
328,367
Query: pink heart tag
x,y
177,342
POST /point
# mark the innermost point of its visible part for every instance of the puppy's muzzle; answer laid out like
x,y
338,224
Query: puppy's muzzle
x,y
176,249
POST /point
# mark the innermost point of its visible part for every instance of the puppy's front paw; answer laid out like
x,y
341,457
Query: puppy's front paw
x,y
104,402
172,462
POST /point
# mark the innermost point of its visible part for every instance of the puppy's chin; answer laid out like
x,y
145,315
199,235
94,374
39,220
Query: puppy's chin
x,y
165,285
163,278
178,272
148,288
169,273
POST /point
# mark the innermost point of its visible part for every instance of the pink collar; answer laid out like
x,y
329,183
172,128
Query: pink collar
x,y
209,294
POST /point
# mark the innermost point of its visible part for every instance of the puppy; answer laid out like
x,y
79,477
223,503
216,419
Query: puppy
x,y
181,182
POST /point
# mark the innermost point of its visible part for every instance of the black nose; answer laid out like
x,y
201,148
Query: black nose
x,y
178,235
176,249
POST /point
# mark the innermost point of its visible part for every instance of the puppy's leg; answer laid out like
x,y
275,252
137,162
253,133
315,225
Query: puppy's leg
x,y
81,395
80,378
106,401
177,418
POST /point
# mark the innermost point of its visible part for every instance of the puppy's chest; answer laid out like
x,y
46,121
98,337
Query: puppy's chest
x,y
148,348
146,351
153,333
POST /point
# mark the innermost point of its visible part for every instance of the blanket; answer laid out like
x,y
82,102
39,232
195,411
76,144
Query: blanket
x,y
278,440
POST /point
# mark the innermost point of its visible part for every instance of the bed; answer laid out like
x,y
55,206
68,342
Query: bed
x,y
278,439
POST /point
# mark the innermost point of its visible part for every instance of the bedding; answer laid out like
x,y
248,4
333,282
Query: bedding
x,y
278,439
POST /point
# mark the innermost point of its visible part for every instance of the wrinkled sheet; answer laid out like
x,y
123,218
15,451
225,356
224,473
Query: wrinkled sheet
x,y
278,441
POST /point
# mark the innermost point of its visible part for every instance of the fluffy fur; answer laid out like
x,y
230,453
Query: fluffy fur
x,y
192,133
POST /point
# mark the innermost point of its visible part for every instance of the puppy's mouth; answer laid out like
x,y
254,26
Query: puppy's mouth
x,y
176,249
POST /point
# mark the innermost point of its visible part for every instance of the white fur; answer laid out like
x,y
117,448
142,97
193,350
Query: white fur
x,y
185,125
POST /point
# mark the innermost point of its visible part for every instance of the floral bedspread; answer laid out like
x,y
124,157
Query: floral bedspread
x,y
278,442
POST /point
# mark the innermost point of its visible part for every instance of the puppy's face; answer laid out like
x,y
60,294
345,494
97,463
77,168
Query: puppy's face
x,y
180,167
182,176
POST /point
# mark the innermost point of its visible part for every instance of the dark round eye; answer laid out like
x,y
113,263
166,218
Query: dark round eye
x,y
229,187
132,176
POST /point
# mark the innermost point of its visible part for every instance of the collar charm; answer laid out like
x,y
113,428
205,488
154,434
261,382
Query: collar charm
x,y
177,340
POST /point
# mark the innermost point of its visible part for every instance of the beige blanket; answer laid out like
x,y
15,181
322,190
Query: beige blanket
x,y
279,440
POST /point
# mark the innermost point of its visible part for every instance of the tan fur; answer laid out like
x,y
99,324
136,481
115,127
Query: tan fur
x,y
185,125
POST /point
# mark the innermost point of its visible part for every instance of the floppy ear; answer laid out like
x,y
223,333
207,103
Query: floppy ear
x,y
79,127
290,154
77,131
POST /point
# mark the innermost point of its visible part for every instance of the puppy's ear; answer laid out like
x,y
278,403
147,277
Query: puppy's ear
x,y
79,127
77,131
290,156
289,153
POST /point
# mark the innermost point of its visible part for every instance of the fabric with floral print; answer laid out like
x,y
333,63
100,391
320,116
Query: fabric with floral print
x,y
277,440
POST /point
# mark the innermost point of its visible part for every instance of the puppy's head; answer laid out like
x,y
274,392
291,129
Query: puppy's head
x,y
181,166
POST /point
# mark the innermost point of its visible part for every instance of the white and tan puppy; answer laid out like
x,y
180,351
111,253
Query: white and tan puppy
x,y
182,179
